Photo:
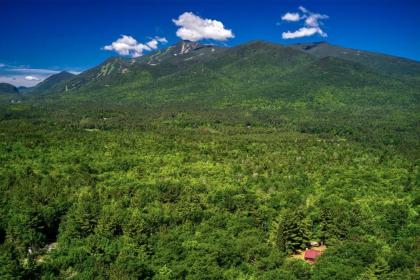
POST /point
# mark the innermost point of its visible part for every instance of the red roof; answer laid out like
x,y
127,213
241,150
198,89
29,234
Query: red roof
x,y
312,254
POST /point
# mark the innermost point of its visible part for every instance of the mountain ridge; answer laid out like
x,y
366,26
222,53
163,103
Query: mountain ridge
x,y
8,88
50,83
273,60
383,62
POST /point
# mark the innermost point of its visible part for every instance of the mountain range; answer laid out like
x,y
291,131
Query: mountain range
x,y
193,72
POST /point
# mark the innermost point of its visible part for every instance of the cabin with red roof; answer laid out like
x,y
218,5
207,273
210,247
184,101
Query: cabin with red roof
x,y
311,255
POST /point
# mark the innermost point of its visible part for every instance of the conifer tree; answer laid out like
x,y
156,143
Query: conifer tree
x,y
292,231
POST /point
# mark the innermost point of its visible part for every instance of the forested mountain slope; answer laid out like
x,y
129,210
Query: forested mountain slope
x,y
8,88
199,162
54,83
380,62
255,65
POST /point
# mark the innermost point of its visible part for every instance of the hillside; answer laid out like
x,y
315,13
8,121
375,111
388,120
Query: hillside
x,y
184,52
380,62
253,66
52,83
117,70
194,73
271,81
23,89
8,88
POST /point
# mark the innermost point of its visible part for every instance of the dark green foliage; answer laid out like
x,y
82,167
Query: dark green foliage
x,y
23,89
292,230
9,263
347,261
8,88
338,219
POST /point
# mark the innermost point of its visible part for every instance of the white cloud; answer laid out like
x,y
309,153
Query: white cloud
x,y
313,20
291,17
153,44
26,76
2,65
18,80
303,10
311,26
301,32
195,28
32,78
127,45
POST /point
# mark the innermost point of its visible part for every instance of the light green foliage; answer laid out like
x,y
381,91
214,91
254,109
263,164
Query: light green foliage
x,y
173,197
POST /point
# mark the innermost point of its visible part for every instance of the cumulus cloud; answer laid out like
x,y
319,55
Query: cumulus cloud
x,y
127,45
291,17
32,78
153,44
195,28
311,26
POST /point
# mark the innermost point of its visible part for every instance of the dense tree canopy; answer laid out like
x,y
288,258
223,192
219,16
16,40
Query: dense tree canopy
x,y
200,195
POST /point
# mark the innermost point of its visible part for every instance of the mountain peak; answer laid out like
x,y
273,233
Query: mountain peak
x,y
60,75
64,73
310,45
259,43
52,81
185,46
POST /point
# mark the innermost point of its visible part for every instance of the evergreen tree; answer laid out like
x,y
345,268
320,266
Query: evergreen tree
x,y
375,271
292,230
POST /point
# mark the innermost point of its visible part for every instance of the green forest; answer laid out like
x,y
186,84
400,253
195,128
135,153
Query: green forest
x,y
219,169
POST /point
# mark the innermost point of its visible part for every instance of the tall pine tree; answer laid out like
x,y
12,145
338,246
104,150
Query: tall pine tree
x,y
292,231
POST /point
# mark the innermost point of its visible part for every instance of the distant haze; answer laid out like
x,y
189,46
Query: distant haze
x,y
25,76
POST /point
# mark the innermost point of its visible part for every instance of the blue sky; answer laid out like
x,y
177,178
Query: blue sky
x,y
44,36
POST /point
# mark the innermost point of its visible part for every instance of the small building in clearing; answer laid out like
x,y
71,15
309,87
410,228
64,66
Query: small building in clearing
x,y
311,255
